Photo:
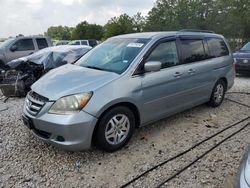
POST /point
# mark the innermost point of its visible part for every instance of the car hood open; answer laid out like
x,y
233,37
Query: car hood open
x,y
71,79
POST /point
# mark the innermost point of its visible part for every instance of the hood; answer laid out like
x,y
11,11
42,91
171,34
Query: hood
x,y
1,50
71,79
16,62
242,55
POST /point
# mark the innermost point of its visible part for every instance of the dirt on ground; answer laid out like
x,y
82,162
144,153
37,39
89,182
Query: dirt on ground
x,y
26,161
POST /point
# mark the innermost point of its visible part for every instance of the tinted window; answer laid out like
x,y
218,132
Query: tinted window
x,y
166,53
74,43
84,42
192,51
92,43
217,47
42,43
24,45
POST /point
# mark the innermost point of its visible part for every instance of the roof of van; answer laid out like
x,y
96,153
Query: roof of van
x,y
166,34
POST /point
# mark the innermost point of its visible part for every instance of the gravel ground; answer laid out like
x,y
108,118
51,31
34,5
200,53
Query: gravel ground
x,y
27,162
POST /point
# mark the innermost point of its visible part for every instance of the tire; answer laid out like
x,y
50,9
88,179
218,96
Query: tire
x,y
115,129
218,94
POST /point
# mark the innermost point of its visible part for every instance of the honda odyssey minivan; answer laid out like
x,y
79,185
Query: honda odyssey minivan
x,y
126,82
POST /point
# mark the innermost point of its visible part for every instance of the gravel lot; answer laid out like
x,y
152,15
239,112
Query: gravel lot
x,y
27,162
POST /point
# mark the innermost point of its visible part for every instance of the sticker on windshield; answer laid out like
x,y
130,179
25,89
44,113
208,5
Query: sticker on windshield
x,y
135,45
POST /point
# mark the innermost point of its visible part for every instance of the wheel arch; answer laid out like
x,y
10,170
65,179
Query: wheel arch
x,y
129,105
224,79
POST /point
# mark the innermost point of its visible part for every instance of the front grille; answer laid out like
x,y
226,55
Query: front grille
x,y
34,103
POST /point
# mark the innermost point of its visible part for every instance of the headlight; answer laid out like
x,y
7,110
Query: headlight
x,y
70,104
247,169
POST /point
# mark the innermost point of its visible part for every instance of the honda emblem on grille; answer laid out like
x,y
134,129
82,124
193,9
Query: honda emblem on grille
x,y
245,61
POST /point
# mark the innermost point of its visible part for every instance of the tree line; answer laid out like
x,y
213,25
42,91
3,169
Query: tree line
x,y
228,17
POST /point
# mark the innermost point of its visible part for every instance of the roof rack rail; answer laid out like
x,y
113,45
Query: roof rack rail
x,y
196,30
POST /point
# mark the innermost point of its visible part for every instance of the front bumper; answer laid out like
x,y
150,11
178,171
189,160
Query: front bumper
x,y
69,132
243,183
242,68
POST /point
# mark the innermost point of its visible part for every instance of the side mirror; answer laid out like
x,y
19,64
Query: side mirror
x,y
152,66
13,48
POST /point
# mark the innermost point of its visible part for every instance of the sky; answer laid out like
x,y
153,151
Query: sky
x,y
31,17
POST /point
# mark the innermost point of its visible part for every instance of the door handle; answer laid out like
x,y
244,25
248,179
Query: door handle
x,y
177,74
191,71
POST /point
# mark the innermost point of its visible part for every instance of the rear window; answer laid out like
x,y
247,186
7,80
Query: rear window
x,y
217,47
42,43
193,50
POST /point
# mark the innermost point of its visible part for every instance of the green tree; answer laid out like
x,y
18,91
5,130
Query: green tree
x,y
139,22
119,25
59,32
84,30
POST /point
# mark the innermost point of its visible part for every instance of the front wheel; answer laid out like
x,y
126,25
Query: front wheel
x,y
115,129
218,94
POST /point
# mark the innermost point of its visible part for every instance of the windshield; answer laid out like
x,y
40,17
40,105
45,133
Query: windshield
x,y
6,43
246,47
114,55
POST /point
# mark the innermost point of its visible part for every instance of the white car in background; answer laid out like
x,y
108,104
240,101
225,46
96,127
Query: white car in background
x,y
89,42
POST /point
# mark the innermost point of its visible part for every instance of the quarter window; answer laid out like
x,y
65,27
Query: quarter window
x,y
24,45
166,53
42,43
217,47
193,50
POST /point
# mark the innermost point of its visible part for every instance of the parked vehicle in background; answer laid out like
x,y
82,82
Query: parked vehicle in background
x,y
126,82
242,58
14,48
90,42
244,176
61,42
21,73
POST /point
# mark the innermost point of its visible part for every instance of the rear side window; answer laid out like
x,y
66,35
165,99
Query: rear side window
x,y
193,50
24,45
217,47
74,43
42,43
84,42
166,53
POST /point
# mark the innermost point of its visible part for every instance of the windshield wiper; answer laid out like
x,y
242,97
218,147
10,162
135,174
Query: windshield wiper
x,y
93,67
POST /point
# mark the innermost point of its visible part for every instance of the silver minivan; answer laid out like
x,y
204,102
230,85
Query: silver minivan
x,y
126,82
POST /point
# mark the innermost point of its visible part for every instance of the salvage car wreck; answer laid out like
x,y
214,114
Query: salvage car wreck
x,y
18,75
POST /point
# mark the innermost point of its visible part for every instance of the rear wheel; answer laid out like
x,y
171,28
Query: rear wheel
x,y
218,94
115,129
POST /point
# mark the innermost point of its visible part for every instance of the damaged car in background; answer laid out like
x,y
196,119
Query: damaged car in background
x,y
18,75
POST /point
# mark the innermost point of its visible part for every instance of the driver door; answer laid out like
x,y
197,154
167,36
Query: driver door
x,y
164,91
24,47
